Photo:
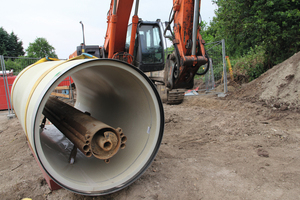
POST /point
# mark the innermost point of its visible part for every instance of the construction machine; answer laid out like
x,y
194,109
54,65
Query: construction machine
x,y
141,44
111,135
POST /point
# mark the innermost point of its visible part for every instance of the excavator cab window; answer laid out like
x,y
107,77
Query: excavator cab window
x,y
128,36
149,49
151,44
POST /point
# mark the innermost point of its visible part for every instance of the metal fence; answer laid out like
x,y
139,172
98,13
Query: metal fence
x,y
7,78
216,75
17,64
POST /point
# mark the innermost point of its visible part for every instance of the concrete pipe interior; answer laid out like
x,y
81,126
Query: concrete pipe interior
x,y
115,93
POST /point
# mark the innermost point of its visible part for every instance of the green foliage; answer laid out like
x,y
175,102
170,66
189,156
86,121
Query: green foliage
x,y
9,64
10,44
170,49
251,65
205,34
274,25
18,64
40,48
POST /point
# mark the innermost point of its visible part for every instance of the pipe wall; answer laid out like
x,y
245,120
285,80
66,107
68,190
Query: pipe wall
x,y
113,92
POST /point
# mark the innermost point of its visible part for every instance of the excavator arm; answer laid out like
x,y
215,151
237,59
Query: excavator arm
x,y
189,53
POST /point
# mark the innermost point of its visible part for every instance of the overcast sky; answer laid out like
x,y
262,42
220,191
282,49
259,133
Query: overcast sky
x,y
58,21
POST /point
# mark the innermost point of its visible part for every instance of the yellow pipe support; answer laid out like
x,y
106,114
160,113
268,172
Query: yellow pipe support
x,y
230,68
114,92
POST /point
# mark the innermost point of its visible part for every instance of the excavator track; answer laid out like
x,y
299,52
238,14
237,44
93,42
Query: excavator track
x,y
174,96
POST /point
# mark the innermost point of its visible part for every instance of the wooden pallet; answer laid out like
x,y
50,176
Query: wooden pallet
x,y
58,92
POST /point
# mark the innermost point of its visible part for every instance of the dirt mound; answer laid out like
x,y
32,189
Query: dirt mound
x,y
278,87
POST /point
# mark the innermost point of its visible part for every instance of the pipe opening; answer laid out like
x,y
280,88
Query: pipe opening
x,y
122,146
123,139
88,154
107,145
87,137
86,148
113,92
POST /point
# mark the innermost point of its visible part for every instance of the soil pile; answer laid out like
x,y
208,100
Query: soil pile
x,y
278,87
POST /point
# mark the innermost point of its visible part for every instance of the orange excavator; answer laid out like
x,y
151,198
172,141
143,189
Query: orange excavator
x,y
141,44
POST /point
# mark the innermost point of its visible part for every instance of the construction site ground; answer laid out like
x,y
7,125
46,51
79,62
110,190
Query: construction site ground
x,y
243,146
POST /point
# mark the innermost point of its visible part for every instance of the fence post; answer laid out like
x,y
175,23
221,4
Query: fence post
x,y
224,66
6,88
212,73
209,77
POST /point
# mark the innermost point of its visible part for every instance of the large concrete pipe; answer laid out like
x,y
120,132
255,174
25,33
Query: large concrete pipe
x,y
113,92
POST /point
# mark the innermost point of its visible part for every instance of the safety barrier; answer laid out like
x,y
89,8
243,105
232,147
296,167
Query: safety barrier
x,y
209,82
10,67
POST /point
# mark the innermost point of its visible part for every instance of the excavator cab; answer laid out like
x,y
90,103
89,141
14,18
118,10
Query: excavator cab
x,y
149,49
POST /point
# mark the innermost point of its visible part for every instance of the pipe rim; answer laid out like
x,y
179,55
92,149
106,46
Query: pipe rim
x,y
151,157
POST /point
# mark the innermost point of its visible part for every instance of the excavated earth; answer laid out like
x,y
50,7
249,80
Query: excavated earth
x,y
243,146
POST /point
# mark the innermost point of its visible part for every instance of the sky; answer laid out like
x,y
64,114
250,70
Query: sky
x,y
58,21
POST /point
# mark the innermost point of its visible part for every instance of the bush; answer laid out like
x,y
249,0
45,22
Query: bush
x,y
251,65
18,64
9,64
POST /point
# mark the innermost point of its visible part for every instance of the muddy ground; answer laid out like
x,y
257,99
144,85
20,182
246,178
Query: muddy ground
x,y
243,146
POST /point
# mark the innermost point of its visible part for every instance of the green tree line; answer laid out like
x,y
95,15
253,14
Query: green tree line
x,y
258,33
12,47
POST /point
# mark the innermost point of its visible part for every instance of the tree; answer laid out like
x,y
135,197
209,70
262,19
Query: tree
x,y
205,34
274,25
10,44
40,48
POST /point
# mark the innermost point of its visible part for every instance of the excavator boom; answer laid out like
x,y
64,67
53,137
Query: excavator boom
x,y
117,19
